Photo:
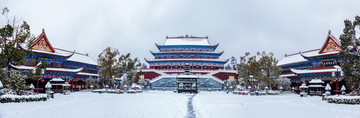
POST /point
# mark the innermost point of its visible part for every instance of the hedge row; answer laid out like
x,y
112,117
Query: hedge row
x,y
343,100
21,99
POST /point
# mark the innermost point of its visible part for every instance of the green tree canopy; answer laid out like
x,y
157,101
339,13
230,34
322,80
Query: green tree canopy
x,y
13,33
128,66
263,70
350,60
107,68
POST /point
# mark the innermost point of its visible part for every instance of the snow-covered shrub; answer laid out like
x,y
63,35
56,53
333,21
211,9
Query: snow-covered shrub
x,y
283,82
91,82
23,98
8,91
343,99
273,92
16,82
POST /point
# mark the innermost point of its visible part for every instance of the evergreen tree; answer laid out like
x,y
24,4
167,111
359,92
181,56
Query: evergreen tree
x,y
91,81
228,67
263,70
349,54
244,69
270,72
37,75
283,82
128,66
233,63
17,82
11,35
107,68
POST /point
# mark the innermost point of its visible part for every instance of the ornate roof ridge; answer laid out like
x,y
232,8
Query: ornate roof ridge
x,y
186,37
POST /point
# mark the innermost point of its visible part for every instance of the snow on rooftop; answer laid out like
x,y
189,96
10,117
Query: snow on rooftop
x,y
313,81
305,71
185,59
328,88
57,80
316,86
296,58
316,53
303,86
89,74
82,59
187,41
291,59
77,57
188,76
22,67
343,88
48,85
287,75
58,52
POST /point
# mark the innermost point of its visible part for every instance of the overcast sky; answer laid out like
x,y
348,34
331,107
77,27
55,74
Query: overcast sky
x,y
278,26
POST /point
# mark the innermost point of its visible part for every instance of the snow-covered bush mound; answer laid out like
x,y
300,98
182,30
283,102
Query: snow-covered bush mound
x,y
273,92
107,91
22,98
343,99
240,92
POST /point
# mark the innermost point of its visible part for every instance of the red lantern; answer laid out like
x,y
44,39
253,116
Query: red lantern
x,y
42,80
305,83
331,82
68,81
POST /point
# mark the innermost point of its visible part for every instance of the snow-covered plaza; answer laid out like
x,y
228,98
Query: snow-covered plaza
x,y
166,104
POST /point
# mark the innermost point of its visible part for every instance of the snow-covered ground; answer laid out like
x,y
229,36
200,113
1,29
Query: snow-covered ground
x,y
94,105
220,104
159,104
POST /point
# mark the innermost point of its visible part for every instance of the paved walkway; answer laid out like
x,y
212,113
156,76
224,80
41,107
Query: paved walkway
x,y
190,108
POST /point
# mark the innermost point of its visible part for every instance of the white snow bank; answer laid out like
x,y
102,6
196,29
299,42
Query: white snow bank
x,y
7,98
91,105
23,96
343,99
220,104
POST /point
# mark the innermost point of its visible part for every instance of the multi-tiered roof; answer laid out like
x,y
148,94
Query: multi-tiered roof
x,y
318,63
197,51
62,63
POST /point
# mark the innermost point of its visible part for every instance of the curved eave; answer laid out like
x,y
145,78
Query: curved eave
x,y
288,75
88,74
157,46
43,52
195,52
83,62
303,55
292,63
216,46
227,60
147,61
153,53
319,55
221,53
223,61
22,67
326,70
187,45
